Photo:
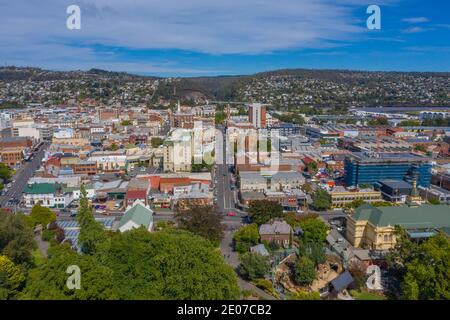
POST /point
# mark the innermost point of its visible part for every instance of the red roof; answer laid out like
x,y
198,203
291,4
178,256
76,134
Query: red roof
x,y
307,160
154,181
136,194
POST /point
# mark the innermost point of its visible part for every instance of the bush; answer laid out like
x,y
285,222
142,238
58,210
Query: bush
x,y
253,266
48,235
245,237
305,273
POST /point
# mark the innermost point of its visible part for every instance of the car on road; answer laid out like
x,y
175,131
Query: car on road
x,y
231,214
73,214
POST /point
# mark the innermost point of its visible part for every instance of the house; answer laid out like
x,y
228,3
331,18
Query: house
x,y
260,249
340,283
132,195
49,195
136,216
278,231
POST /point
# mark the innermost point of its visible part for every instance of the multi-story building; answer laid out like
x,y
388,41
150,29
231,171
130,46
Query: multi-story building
x,y
12,155
178,152
12,142
374,228
257,115
85,167
340,196
365,168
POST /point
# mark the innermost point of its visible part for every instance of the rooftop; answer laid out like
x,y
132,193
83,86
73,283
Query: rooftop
x,y
420,217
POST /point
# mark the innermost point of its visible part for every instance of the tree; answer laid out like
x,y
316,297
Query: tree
x,y
312,250
434,201
48,282
382,121
126,123
409,123
219,117
91,231
424,269
202,221
41,216
253,266
306,188
262,211
5,172
156,142
12,279
246,237
305,295
321,200
172,264
304,271
420,148
427,276
314,230
294,219
16,239
114,147
355,203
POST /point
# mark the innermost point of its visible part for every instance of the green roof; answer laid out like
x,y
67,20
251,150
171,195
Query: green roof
x,y
421,216
41,188
139,214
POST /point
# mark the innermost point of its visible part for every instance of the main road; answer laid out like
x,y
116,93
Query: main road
x,y
23,174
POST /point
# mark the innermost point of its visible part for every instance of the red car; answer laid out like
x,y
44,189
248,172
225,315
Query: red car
x,y
231,214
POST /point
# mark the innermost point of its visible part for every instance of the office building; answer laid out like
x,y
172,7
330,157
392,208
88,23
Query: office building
x,y
257,115
367,168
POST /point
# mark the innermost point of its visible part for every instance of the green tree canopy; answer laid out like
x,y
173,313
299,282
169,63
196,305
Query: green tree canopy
x,y
12,277
304,271
91,231
48,282
172,264
5,172
40,215
321,199
246,237
16,238
424,268
314,251
253,266
203,221
156,142
314,230
262,211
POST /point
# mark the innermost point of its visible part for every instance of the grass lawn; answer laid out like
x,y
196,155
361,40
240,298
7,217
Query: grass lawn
x,y
38,258
369,296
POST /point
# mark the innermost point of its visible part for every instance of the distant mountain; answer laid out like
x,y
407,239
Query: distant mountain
x,y
37,74
280,88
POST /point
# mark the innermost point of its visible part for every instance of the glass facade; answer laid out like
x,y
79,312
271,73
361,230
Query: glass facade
x,y
365,171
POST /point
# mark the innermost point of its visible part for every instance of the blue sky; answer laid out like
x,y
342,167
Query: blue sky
x,y
210,37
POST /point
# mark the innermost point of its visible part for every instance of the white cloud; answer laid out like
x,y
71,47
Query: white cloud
x,y
416,30
416,20
36,30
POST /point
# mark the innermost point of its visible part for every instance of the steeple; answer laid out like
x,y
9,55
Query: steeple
x,y
414,198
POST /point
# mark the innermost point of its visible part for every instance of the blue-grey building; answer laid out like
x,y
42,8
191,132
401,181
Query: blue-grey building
x,y
286,128
364,168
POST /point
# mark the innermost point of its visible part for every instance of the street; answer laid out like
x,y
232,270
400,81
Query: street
x,y
23,174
